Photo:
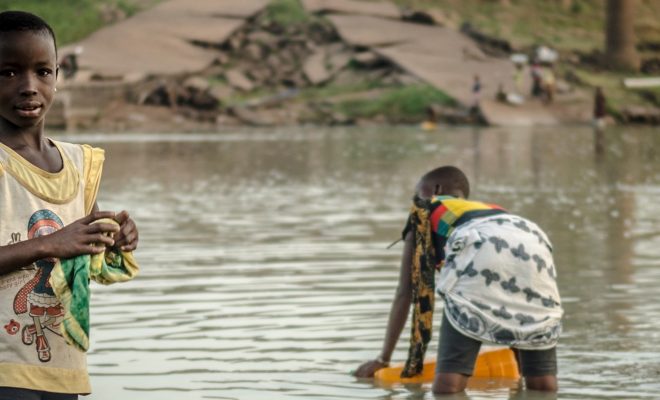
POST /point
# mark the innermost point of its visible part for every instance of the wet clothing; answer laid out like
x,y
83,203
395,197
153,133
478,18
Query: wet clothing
x,y
497,276
7,393
432,223
499,283
34,202
423,286
458,354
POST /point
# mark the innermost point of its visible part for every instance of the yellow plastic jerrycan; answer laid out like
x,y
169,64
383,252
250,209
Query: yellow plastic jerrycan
x,y
498,363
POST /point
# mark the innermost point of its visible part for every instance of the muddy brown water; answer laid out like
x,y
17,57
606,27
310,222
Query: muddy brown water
x,y
265,273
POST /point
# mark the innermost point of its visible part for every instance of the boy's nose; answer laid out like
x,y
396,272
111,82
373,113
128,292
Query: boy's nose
x,y
28,85
28,92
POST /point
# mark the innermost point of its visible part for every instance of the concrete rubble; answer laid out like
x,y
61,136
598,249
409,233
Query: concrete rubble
x,y
209,62
242,53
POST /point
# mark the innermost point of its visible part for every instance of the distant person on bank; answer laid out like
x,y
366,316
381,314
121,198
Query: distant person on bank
x,y
536,72
549,84
600,109
476,93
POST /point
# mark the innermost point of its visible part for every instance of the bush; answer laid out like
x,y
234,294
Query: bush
x,y
73,20
287,13
408,103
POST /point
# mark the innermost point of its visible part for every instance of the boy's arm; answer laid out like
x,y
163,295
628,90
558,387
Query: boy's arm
x,y
22,254
74,239
398,313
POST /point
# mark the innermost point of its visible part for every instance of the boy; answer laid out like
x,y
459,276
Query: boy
x,y
47,212
497,279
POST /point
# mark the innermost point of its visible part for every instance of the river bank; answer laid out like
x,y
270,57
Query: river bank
x,y
290,63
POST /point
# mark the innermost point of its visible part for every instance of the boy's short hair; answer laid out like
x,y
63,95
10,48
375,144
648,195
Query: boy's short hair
x,y
450,178
16,21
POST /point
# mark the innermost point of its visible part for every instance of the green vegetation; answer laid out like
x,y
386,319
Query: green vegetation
x,y
287,13
335,90
363,99
406,103
73,20
618,97
566,25
367,99
528,22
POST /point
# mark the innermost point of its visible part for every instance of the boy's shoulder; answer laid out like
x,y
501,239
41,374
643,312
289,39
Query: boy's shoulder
x,y
83,152
74,146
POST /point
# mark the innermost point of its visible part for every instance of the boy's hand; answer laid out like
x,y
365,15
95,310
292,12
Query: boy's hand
x,y
368,369
81,237
127,237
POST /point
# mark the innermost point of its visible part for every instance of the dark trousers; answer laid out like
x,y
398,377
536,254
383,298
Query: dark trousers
x,y
8,393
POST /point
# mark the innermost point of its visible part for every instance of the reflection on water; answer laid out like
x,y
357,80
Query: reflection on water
x,y
265,273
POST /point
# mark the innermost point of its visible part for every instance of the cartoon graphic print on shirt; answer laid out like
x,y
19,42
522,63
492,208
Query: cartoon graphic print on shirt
x,y
44,308
12,327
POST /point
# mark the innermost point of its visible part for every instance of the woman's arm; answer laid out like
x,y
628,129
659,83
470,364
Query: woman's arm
x,y
398,313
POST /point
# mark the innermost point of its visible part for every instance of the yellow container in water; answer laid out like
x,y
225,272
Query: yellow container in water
x,y
428,126
500,363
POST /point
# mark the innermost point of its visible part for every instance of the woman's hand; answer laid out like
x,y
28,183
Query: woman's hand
x,y
369,368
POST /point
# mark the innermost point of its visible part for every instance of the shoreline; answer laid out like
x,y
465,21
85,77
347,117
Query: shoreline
x,y
326,69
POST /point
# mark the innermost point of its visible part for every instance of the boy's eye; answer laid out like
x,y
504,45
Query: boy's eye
x,y
45,72
7,73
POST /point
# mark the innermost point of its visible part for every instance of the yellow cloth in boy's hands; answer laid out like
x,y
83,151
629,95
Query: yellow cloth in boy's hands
x,y
70,281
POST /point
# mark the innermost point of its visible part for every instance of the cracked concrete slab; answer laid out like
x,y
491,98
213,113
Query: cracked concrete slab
x,y
449,61
159,40
376,9
223,8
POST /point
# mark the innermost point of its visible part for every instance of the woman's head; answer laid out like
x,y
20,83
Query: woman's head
x,y
445,180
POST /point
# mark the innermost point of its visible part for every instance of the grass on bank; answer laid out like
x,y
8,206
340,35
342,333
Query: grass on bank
x,y
365,100
405,103
531,22
74,20
396,103
287,13
332,90
578,27
618,97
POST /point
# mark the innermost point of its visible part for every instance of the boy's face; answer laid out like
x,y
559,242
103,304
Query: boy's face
x,y
28,68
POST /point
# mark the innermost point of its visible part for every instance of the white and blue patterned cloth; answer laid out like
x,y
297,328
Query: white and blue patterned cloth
x,y
499,283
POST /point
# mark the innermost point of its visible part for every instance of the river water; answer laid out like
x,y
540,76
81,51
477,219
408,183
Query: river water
x,y
265,273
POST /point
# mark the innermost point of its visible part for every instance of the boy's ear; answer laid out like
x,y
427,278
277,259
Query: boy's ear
x,y
426,191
